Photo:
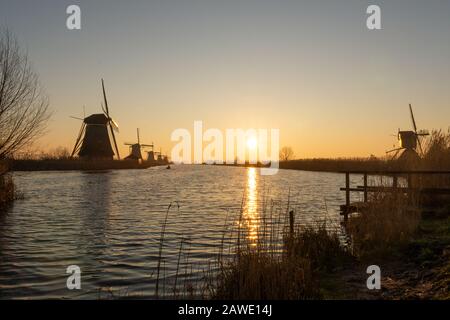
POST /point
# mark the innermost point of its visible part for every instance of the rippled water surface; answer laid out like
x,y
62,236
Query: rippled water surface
x,y
109,224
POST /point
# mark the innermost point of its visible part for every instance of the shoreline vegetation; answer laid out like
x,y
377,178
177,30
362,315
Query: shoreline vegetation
x,y
77,164
52,163
436,157
315,165
59,159
327,165
7,190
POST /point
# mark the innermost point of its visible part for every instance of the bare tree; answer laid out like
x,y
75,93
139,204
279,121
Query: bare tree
x,y
24,108
286,153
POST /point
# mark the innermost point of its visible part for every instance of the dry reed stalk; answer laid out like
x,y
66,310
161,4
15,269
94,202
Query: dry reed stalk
x,y
389,220
161,244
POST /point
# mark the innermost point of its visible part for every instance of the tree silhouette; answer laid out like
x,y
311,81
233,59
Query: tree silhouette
x,y
286,153
24,108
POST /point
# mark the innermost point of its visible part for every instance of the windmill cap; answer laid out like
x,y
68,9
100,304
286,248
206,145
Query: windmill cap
x,y
98,118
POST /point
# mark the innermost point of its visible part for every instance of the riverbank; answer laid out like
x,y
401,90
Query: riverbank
x,y
76,164
338,165
327,165
7,192
330,165
416,269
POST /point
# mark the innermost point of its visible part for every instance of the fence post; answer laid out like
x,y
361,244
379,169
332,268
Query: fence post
x,y
347,188
365,186
347,196
395,182
291,222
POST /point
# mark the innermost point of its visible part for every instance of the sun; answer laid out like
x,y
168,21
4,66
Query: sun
x,y
252,143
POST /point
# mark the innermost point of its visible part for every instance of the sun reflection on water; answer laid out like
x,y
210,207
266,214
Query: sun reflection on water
x,y
250,212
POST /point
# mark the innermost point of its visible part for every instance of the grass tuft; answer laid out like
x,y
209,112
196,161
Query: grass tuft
x,y
292,274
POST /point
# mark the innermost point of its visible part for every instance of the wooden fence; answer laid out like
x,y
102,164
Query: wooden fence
x,y
410,190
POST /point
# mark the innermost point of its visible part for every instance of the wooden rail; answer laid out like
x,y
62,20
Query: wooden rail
x,y
3,168
409,190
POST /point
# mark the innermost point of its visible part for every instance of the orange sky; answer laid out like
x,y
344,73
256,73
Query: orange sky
x,y
312,70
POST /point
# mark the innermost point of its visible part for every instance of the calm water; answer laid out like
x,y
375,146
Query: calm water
x,y
109,224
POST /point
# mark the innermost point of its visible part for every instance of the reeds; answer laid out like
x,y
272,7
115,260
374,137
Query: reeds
x,y
258,275
7,189
282,262
389,220
317,244
437,151
289,273
161,245
337,165
75,164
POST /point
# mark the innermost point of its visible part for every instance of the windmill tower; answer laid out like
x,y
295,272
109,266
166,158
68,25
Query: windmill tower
x,y
151,155
135,148
160,157
155,155
93,141
409,142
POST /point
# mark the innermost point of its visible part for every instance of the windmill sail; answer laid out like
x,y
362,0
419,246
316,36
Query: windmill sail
x,y
418,134
110,120
412,118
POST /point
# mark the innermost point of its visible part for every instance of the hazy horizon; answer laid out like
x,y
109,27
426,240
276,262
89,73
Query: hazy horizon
x,y
311,69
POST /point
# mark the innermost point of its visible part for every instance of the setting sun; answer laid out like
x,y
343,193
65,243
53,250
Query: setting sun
x,y
252,143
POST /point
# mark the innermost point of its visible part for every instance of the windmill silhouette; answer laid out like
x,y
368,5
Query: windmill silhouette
x,y
135,148
93,141
410,145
